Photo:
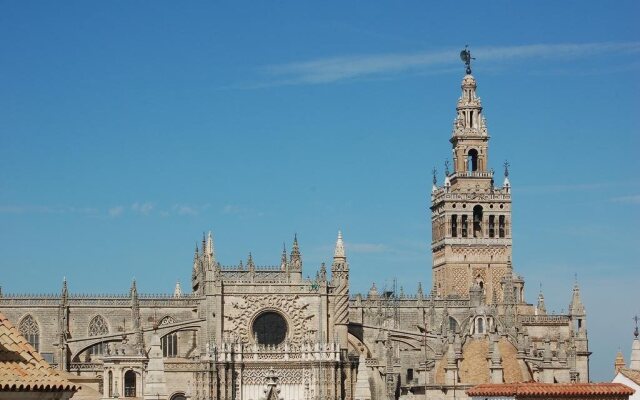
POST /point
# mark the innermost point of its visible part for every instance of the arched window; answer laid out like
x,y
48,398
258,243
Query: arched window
x,y
454,226
480,325
98,327
179,396
29,330
501,226
492,226
453,324
472,160
169,345
477,221
130,384
464,226
110,383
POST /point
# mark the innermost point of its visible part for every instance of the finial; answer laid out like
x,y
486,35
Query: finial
x,y
446,167
339,250
434,171
635,331
506,168
465,56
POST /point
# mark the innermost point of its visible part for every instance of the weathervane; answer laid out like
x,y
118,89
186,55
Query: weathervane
x,y
506,168
446,167
635,331
434,172
465,56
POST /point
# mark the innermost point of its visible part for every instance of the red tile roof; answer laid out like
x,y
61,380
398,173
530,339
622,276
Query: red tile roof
x,y
22,368
536,389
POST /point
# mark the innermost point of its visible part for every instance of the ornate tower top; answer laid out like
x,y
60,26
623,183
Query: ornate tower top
x,y
339,251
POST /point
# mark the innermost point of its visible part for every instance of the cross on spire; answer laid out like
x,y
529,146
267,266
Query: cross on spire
x,y
506,168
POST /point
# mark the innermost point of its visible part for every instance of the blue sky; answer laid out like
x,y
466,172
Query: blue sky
x,y
129,128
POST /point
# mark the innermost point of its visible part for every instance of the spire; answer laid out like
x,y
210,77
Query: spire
x,y
177,292
283,258
420,291
133,292
65,291
295,260
339,251
541,308
576,307
250,265
209,251
618,364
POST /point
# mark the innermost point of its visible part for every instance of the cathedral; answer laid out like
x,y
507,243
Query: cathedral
x,y
248,332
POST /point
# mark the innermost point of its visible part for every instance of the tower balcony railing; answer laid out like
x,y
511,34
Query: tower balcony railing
x,y
474,241
472,174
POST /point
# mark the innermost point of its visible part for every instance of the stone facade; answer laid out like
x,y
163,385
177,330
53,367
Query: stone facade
x,y
249,333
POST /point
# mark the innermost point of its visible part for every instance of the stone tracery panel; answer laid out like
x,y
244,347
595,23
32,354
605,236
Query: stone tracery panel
x,y
243,310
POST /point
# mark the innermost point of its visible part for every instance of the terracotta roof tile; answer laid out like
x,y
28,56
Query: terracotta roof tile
x,y
22,367
536,389
632,374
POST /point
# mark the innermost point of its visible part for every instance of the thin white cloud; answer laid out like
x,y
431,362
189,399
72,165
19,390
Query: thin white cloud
x,y
142,208
366,247
334,69
188,209
632,199
116,211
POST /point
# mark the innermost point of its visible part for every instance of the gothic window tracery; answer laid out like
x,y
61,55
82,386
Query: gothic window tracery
x,y
167,321
169,345
98,327
30,330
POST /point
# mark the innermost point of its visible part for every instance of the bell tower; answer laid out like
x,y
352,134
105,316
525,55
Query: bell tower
x,y
471,217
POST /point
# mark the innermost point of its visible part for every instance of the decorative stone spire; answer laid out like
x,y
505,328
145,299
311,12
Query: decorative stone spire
x,y
339,251
295,261
135,318
177,291
283,258
619,362
250,265
209,251
541,308
420,293
576,307
64,294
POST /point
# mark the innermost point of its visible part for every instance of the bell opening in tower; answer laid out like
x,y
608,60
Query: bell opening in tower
x,y
477,221
472,160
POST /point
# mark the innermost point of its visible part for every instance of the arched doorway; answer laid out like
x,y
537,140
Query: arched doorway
x,y
130,384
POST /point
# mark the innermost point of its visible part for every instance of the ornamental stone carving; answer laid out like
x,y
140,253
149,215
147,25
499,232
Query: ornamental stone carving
x,y
242,311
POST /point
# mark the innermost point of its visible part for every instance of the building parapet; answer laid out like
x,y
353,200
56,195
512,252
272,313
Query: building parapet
x,y
553,319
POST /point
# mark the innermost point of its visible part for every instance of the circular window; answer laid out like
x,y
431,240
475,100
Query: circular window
x,y
270,328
